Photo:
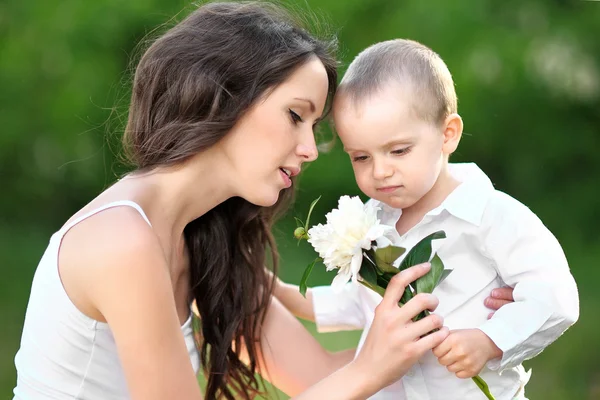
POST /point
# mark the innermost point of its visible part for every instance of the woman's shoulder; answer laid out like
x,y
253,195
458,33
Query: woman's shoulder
x,y
105,250
105,231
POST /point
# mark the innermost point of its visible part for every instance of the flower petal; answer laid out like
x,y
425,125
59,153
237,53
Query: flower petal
x,y
340,280
356,263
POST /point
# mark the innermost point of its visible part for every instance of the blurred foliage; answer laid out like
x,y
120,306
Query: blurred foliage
x,y
527,75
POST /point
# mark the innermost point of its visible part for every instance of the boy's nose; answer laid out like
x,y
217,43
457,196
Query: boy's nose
x,y
382,170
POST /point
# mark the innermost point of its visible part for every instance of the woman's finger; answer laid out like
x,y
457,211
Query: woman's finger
x,y
423,326
432,340
416,305
395,288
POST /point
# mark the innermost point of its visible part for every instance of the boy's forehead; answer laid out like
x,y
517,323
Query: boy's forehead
x,y
385,100
380,108
375,121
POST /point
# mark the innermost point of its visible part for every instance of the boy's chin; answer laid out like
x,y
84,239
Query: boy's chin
x,y
394,201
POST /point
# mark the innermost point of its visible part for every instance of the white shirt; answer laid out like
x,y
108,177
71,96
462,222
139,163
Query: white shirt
x,y
492,241
65,354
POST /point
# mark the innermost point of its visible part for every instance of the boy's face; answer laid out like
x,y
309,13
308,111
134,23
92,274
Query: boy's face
x,y
396,156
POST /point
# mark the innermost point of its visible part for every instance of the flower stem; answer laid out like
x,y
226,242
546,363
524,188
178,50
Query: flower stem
x,y
376,289
483,386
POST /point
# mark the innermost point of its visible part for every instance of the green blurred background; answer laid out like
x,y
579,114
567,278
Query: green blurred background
x,y
528,80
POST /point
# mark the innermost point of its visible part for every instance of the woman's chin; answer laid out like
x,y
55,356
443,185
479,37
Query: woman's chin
x,y
263,199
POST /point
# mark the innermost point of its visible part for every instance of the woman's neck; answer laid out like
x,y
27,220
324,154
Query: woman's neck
x,y
173,197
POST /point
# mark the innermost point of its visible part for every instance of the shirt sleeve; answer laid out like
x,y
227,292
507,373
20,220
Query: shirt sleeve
x,y
528,258
337,311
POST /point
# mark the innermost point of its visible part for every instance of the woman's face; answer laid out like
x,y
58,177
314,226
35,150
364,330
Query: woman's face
x,y
273,139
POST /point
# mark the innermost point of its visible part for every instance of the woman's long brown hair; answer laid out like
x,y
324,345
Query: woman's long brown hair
x,y
191,86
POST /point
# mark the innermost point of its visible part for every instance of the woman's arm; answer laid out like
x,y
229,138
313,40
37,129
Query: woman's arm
x,y
127,282
297,364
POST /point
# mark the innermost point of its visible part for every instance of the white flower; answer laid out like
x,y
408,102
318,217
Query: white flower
x,y
350,229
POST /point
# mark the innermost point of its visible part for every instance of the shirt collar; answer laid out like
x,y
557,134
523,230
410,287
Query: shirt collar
x,y
466,202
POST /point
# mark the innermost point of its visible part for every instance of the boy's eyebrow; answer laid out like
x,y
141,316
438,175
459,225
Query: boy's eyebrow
x,y
312,105
394,142
387,145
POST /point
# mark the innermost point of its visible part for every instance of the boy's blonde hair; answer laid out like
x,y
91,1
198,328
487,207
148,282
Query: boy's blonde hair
x,y
415,69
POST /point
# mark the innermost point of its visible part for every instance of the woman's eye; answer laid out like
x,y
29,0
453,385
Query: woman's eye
x,y
295,117
359,158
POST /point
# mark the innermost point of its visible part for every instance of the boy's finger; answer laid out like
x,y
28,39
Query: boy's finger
x,y
503,293
441,350
395,288
495,304
455,367
464,374
446,359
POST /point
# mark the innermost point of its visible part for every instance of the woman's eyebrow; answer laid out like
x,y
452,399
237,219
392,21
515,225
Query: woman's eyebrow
x,y
312,105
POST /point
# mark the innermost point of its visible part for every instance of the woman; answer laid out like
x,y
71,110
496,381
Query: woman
x,y
221,120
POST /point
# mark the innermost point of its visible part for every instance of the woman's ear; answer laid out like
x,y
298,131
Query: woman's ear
x,y
453,127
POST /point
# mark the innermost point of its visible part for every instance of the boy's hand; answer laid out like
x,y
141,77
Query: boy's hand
x,y
499,298
466,351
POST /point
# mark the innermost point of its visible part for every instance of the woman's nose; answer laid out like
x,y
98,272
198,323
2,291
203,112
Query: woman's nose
x,y
307,148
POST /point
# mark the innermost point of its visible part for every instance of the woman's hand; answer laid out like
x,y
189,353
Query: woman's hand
x,y
393,345
395,342
499,298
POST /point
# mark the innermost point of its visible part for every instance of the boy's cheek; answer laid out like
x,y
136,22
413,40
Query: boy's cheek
x,y
361,180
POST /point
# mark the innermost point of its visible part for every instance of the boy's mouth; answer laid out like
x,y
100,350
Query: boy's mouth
x,y
388,189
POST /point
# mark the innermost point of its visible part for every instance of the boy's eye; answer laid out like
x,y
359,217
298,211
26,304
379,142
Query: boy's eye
x,y
295,117
401,151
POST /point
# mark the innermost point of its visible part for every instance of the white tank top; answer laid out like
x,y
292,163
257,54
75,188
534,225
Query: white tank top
x,y
64,354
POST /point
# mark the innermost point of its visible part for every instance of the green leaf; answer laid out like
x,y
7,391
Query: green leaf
x,y
421,252
406,296
367,272
299,223
385,257
429,281
383,280
310,210
306,274
445,274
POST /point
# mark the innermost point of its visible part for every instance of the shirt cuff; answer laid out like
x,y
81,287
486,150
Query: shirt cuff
x,y
336,311
511,342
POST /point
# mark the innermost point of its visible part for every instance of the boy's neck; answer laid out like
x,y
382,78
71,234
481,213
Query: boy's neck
x,y
412,215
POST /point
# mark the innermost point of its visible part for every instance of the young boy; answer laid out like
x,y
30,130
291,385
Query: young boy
x,y
396,115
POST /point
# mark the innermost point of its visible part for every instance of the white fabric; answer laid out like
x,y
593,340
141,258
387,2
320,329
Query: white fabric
x,y
64,354
492,241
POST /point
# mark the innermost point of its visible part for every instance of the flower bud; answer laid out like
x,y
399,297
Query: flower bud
x,y
300,233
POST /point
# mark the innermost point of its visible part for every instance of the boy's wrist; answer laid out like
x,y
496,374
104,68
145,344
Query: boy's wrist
x,y
492,350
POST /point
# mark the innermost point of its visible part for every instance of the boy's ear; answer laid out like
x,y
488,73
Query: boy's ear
x,y
453,127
